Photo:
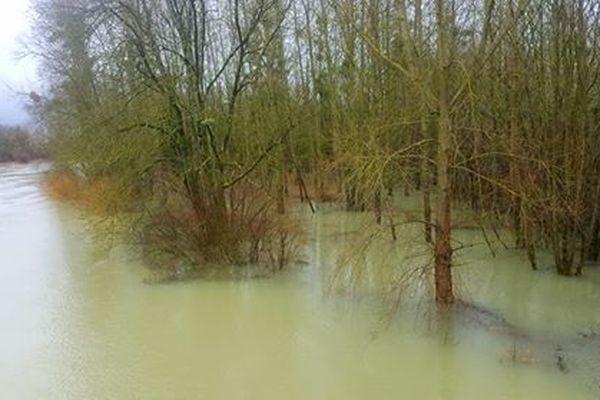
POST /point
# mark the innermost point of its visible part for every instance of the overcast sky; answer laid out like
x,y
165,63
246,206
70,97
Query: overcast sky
x,y
17,76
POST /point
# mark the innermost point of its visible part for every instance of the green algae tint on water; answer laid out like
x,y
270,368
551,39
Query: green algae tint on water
x,y
78,323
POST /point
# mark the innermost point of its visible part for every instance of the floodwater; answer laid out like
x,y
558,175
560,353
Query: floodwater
x,y
78,322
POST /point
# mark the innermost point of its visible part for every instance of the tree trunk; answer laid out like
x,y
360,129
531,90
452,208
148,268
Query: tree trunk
x,y
444,294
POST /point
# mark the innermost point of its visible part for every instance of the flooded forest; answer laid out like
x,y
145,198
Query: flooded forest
x,y
307,199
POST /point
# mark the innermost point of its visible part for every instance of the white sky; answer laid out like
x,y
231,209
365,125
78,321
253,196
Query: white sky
x,y
17,76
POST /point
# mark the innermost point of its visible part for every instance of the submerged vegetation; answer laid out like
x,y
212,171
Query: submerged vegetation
x,y
206,114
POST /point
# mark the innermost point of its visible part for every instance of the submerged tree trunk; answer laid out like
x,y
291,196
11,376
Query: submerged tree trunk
x,y
594,252
444,293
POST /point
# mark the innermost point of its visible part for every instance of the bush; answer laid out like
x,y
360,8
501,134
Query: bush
x,y
62,186
102,195
178,238
181,239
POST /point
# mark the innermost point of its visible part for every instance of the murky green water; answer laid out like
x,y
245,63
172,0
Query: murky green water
x,y
77,323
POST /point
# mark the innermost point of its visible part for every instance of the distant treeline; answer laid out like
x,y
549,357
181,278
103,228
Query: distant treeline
x,y
19,145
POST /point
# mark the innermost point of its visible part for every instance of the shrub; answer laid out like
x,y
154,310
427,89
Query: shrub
x,y
101,195
178,238
62,186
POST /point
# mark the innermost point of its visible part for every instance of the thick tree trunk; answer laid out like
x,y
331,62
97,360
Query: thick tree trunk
x,y
444,293
443,248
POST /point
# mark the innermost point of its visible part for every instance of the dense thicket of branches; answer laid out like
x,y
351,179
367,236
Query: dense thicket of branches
x,y
19,145
491,103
